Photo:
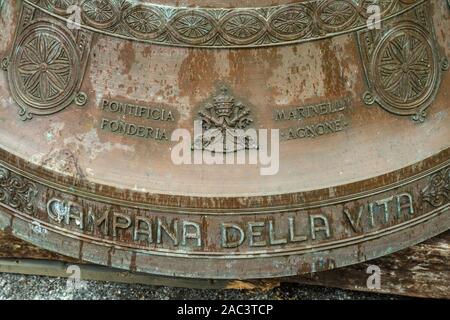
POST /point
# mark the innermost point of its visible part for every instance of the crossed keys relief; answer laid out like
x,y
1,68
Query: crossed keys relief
x,y
225,125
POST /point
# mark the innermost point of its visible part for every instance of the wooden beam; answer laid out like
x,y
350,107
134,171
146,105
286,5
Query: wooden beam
x,y
419,271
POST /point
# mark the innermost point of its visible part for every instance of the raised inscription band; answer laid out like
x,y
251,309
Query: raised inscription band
x,y
225,27
298,239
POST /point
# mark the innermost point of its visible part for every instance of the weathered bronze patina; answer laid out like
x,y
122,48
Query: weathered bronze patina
x,y
93,91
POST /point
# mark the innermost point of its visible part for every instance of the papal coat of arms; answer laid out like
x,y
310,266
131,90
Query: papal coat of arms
x,y
225,124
